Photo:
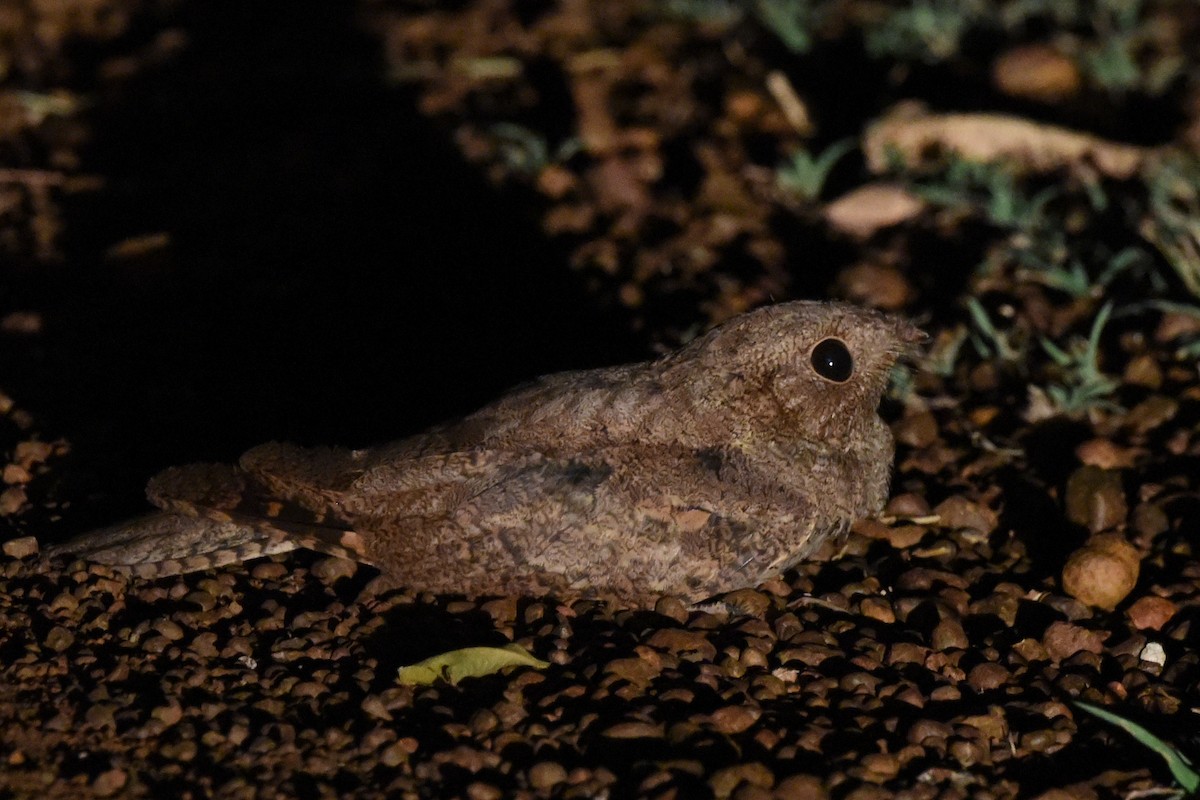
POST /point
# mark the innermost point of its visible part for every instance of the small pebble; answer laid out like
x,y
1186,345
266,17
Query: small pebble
x,y
21,547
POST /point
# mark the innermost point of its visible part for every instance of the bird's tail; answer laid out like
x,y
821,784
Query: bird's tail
x,y
171,543
212,516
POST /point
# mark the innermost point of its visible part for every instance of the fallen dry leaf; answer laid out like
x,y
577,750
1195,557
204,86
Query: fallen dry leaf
x,y
1031,146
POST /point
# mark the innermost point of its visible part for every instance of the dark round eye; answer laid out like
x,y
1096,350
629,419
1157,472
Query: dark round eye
x,y
832,360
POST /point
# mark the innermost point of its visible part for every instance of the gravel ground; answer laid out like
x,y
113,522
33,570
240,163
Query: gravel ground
x,y
1040,547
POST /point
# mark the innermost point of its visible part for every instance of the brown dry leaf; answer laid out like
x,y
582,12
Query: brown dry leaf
x,y
1032,146
862,212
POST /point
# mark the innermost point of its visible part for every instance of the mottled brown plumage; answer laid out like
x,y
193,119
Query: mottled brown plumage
x,y
707,470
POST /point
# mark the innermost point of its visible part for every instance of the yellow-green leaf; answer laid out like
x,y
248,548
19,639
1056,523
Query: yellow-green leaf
x,y
469,662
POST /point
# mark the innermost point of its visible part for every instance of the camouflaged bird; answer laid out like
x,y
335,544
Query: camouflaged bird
x,y
713,468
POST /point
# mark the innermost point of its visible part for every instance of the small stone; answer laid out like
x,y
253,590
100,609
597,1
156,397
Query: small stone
x,y
638,671
635,730
201,599
11,500
101,715
21,547
204,645
59,639
393,755
958,512
555,181
672,607
1031,650
1149,520
734,719
1103,453
169,714
1151,413
375,705
880,767
268,571
1153,653
169,629
801,787
945,694
877,608
968,753
1096,498
1151,612
680,641
949,634
1036,72
988,675
907,505
750,602
1103,572
15,473
34,452
875,285
992,725
1037,741
502,610
109,782
1143,370
725,780
929,731
478,790
1063,640
546,775
331,570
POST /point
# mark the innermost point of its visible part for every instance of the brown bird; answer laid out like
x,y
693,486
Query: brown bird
x,y
710,469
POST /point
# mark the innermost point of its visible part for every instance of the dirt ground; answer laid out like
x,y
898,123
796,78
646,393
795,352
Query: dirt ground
x,y
226,223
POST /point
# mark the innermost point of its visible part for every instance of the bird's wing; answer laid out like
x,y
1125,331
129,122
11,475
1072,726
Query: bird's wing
x,y
628,522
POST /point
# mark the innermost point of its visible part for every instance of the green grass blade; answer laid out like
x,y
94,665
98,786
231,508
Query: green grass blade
x,y
1180,766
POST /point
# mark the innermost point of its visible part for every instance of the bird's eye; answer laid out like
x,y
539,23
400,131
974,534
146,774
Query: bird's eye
x,y
832,360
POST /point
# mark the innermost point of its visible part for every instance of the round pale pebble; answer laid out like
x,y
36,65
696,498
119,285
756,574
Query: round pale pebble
x,y
1103,572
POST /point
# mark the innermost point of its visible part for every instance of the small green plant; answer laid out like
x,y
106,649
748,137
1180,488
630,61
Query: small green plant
x,y
805,174
1189,348
1072,279
1173,225
988,340
1181,768
793,21
718,12
1065,14
925,30
526,151
1084,385
991,189
1127,53
1111,64
1075,279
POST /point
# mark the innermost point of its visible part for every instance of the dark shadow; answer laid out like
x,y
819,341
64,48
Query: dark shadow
x,y
335,273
